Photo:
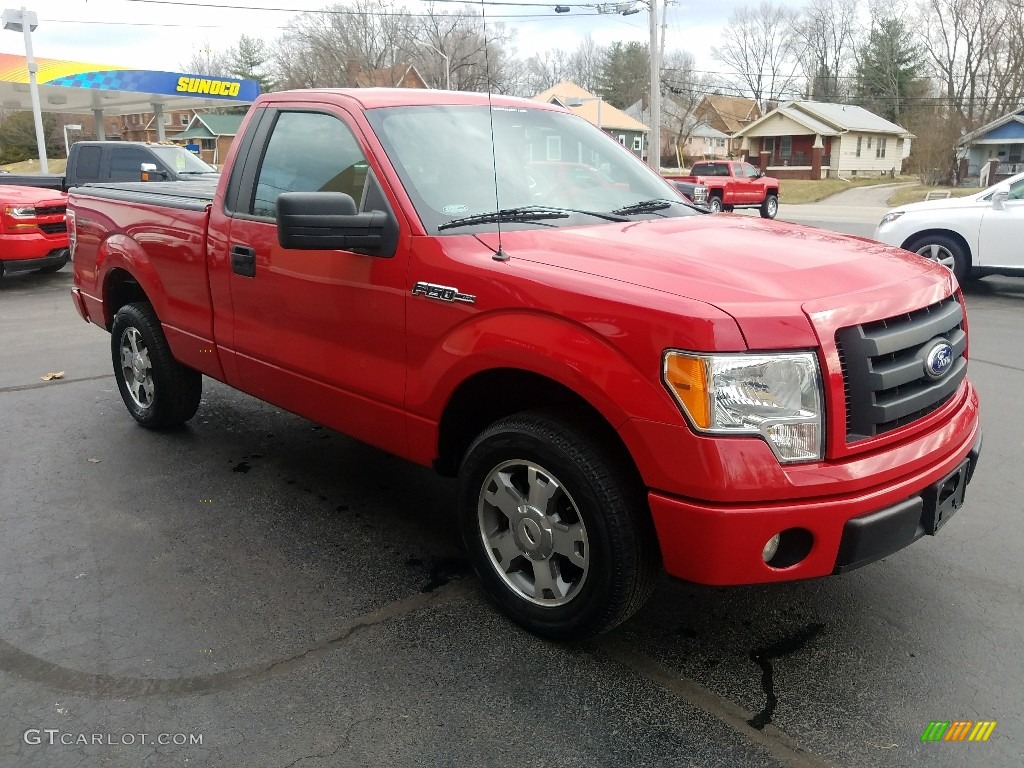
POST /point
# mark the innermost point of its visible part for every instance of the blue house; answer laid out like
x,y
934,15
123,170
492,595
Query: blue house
x,y
995,151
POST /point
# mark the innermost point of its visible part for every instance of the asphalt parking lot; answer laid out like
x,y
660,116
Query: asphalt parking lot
x,y
288,597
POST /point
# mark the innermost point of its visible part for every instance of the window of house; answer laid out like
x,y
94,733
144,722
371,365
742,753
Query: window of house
x,y
880,148
859,140
720,143
210,144
183,117
689,140
786,146
869,142
622,139
309,152
638,143
554,148
768,144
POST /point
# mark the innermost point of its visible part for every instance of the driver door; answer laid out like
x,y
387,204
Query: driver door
x,y
318,332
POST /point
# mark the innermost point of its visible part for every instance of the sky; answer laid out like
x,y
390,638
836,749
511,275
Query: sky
x,y
163,35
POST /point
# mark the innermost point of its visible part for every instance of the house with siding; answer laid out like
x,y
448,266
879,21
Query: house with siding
x,y
628,131
816,140
995,151
728,114
213,133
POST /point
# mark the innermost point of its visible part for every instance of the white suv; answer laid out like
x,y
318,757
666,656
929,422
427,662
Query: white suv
x,y
974,236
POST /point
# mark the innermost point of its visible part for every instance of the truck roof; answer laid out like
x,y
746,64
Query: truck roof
x,y
373,98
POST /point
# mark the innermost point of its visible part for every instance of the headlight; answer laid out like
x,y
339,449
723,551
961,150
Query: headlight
x,y
20,211
775,397
889,218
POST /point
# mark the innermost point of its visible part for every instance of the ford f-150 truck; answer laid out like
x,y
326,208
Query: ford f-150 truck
x,y
33,233
620,381
733,184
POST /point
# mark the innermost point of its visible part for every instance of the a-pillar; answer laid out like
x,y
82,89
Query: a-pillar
x,y
97,117
158,116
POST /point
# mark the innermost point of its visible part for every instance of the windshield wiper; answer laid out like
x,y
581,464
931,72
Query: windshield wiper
x,y
648,206
526,213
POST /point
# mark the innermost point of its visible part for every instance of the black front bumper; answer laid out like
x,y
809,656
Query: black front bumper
x,y
58,256
873,536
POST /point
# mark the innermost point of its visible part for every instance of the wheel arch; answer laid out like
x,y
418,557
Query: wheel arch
x,y
952,234
126,275
492,394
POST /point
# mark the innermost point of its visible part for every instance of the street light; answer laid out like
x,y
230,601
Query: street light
x,y
73,127
20,20
579,101
447,67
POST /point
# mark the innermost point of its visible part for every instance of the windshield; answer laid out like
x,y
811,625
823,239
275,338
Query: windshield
x,y
540,158
181,160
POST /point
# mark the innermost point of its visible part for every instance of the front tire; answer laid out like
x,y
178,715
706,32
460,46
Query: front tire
x,y
715,204
555,527
158,391
770,207
946,251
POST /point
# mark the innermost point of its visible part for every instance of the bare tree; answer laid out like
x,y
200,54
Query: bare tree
x,y
968,42
478,51
584,65
685,87
827,34
762,50
206,60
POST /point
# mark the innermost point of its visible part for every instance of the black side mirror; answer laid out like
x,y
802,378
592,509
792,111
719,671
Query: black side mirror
x,y
330,221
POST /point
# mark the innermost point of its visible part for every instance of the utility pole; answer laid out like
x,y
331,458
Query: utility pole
x,y
654,144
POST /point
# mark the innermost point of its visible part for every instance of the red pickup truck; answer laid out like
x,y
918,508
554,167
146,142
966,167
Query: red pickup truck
x,y
33,233
620,381
733,184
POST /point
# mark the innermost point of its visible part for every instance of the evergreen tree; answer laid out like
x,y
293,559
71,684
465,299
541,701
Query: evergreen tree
x,y
625,74
889,79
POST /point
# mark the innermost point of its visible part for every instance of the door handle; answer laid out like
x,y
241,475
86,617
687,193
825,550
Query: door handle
x,y
243,260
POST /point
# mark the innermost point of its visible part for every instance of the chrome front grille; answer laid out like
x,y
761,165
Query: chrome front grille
x,y
886,366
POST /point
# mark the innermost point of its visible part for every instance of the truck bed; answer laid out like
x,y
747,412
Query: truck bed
x,y
190,195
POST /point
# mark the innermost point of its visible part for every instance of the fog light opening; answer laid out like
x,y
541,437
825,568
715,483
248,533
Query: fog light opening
x,y
771,547
792,546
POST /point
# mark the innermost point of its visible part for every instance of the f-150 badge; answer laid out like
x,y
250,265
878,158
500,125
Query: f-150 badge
x,y
442,293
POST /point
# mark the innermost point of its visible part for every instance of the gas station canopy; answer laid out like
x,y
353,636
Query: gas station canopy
x,y
73,87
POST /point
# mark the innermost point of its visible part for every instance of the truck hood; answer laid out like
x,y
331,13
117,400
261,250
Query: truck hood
x,y
15,195
760,272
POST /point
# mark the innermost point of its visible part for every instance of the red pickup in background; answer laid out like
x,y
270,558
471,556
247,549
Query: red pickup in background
x,y
33,232
733,184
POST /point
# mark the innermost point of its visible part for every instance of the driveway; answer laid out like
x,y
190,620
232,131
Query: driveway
x,y
854,211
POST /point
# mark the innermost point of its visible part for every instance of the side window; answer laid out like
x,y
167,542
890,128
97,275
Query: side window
x,y
126,163
309,152
1017,190
749,171
89,163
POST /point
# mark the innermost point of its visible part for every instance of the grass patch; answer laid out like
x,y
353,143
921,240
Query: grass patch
x,y
811,191
917,193
55,165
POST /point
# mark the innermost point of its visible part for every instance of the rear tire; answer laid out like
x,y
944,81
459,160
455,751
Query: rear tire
x,y
158,391
946,251
556,528
770,207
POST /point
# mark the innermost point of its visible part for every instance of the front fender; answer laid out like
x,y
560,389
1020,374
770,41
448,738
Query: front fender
x,y
573,355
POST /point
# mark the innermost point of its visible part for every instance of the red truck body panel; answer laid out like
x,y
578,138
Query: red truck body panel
x,y
337,337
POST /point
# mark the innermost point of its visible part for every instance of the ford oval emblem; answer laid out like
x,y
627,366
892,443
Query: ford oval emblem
x,y
938,360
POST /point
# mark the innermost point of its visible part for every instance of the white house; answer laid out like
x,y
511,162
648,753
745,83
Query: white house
x,y
814,140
